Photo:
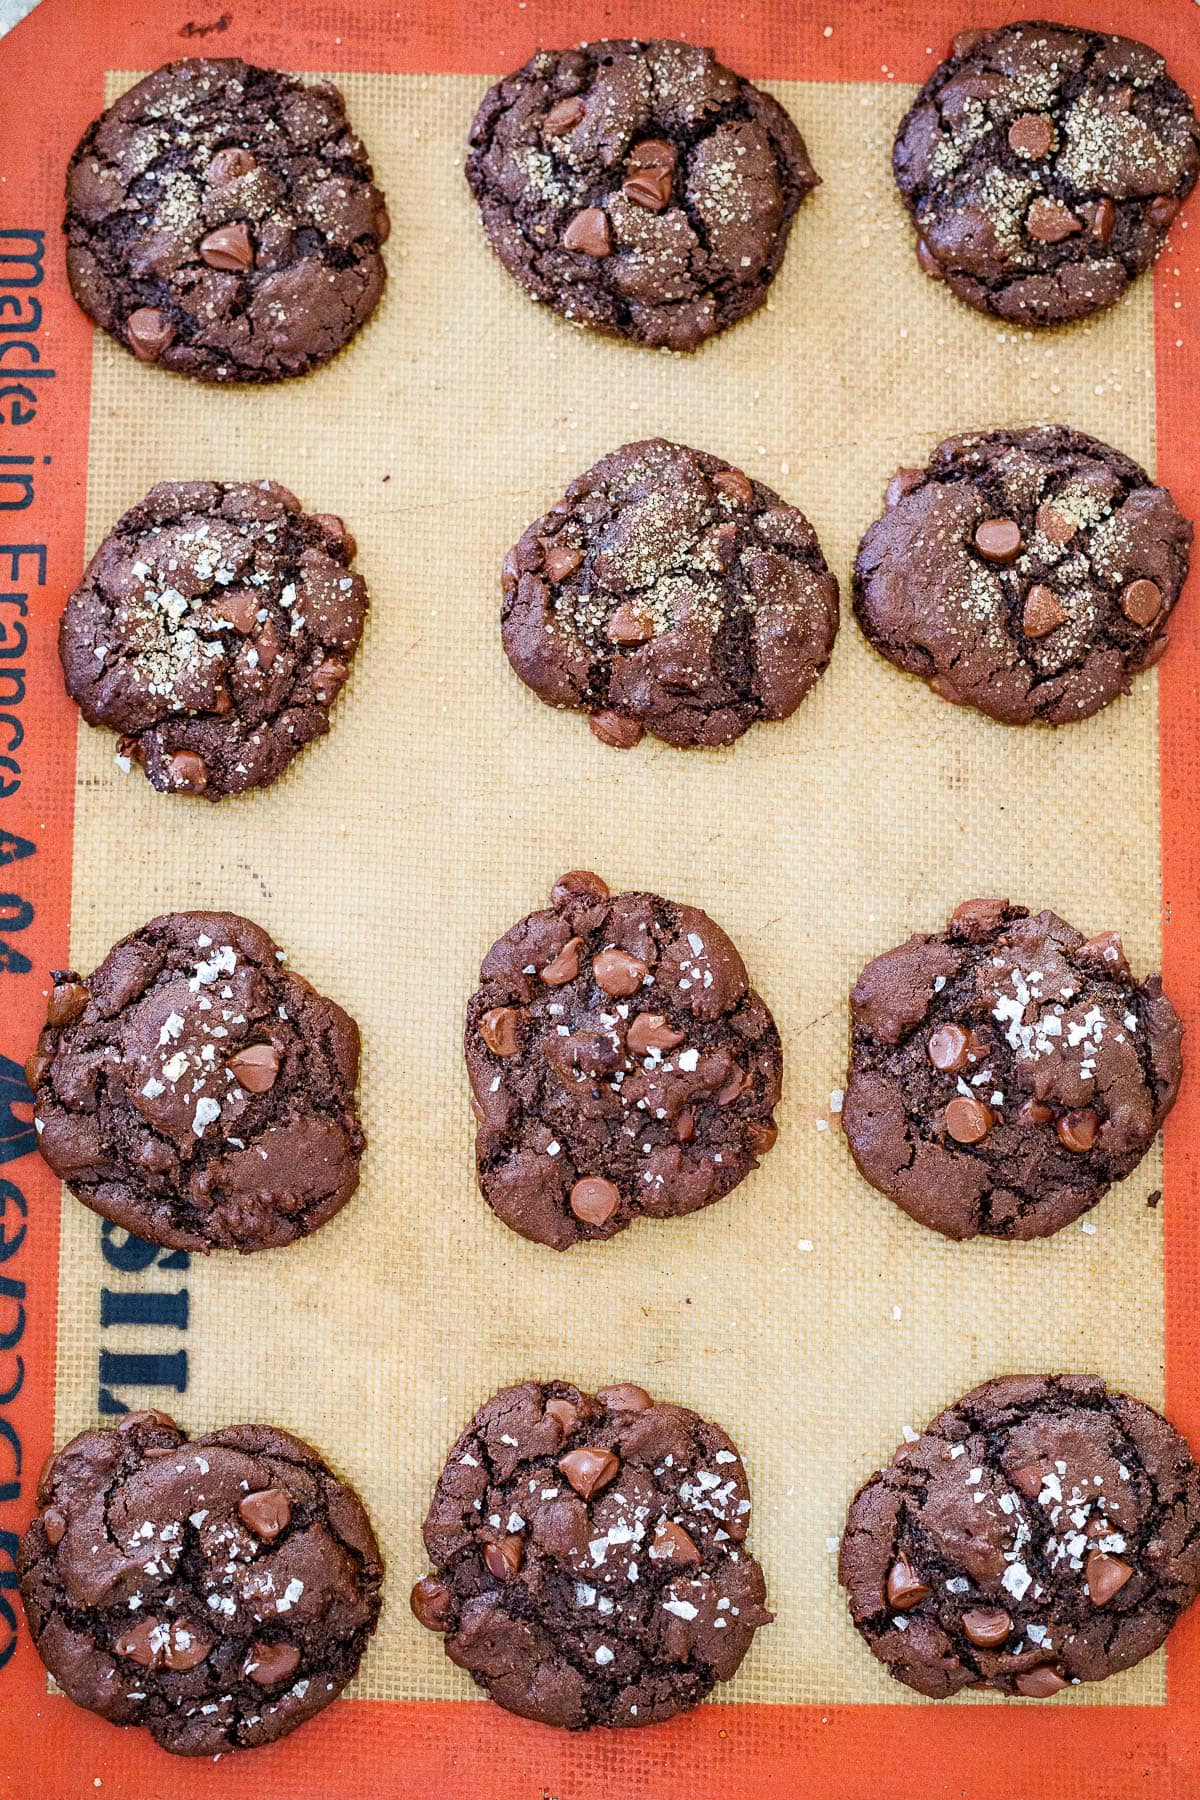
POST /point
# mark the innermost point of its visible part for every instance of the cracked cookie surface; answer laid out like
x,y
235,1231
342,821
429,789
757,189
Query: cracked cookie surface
x,y
589,1556
639,188
1005,1072
620,1063
1040,1532
1043,167
218,1591
214,628
1028,573
667,592
196,1092
222,222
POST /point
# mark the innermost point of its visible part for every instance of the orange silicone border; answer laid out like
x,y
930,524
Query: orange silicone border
x,y
51,83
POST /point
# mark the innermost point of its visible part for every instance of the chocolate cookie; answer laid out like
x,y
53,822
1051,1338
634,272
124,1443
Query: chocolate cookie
x,y
195,1092
222,221
620,1064
1005,1073
214,628
1043,166
668,592
589,1556
1040,1532
639,188
218,1591
1027,573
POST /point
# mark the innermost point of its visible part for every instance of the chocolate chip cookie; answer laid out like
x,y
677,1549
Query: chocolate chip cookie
x,y
1027,573
639,188
222,222
620,1065
1005,1072
195,1092
1043,167
667,592
1041,1532
218,1591
214,628
589,1556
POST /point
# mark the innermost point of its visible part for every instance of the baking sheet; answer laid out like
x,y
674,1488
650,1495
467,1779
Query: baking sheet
x,y
805,1312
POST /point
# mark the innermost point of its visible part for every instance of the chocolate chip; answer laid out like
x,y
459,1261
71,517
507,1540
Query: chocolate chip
x,y
968,1121
498,1029
1105,951
186,1646
505,1556
1028,1480
148,1419
430,1602
950,1048
1056,527
650,1031
1049,221
671,1543
1141,602
588,233
653,153
241,608
142,1643
1043,613
618,973
986,1626
614,729
255,1068
902,482
629,626
37,1065
1032,135
271,1662
761,1137
905,1589
1034,1113
734,1088
266,1512
565,1412
588,1469
565,966
624,1397
976,920
228,247
67,1000
965,41
651,166
1078,1130
54,1524
594,1200
929,262
149,332
578,884
188,771
383,225
1162,210
1039,1684
328,678
158,1643
685,1125
1104,217
563,116
998,539
735,486
229,165
560,560
1105,1576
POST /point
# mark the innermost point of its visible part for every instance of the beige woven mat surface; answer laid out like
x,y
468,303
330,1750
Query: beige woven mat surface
x,y
805,1312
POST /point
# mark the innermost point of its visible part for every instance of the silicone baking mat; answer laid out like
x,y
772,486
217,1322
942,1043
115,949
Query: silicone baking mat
x,y
805,1313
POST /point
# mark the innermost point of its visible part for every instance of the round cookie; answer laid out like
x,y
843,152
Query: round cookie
x,y
1043,166
620,1065
639,188
589,1558
667,592
214,628
222,222
218,1591
1041,1532
195,1092
1028,573
1004,1073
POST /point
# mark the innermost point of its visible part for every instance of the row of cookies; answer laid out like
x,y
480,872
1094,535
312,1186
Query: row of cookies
x,y
590,1564
1003,1074
1028,573
223,220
